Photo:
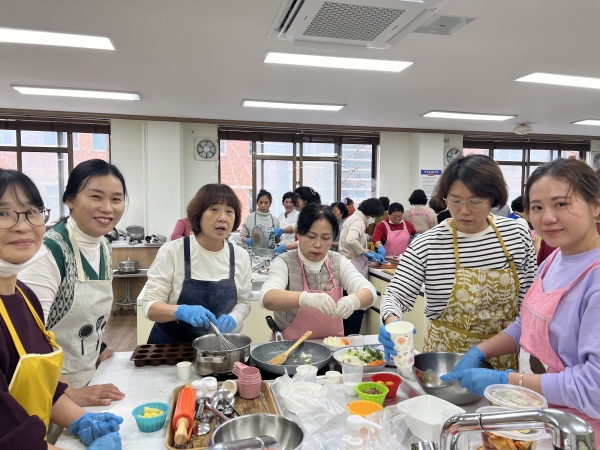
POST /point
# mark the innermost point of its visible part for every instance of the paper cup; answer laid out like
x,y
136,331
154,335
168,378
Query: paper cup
x,y
334,376
184,370
401,334
309,373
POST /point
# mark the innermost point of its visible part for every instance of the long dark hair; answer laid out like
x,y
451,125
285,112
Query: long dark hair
x,y
313,212
308,194
85,171
11,179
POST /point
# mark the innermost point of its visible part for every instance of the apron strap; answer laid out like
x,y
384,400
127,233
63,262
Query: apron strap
x,y
455,240
186,257
509,257
76,253
272,221
231,261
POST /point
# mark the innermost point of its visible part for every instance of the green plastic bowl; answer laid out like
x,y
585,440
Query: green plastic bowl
x,y
150,424
377,398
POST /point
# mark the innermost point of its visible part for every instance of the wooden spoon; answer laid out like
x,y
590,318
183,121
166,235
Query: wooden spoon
x,y
280,359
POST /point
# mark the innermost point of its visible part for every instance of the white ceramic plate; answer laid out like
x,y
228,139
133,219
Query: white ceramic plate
x,y
337,354
333,348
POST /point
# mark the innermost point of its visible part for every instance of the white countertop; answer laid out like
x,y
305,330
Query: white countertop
x,y
118,244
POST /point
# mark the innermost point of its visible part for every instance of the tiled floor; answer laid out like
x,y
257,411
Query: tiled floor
x,y
121,331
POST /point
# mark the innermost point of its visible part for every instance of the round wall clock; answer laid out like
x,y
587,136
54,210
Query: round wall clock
x,y
452,153
596,161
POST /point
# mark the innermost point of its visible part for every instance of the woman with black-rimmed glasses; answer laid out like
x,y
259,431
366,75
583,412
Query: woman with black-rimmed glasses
x,y
475,267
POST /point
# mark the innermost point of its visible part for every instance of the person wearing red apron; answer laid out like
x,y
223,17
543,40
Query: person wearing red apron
x,y
304,288
396,240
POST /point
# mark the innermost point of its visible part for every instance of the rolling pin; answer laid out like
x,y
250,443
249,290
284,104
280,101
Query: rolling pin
x,y
183,419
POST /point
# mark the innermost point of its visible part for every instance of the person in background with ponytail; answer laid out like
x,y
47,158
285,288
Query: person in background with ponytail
x,y
261,216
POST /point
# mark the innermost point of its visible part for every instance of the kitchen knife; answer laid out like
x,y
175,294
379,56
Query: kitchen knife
x,y
183,419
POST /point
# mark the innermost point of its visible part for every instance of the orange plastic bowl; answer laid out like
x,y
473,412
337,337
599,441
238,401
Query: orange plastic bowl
x,y
363,407
392,382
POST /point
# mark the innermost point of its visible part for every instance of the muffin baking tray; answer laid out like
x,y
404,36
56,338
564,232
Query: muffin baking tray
x,y
157,354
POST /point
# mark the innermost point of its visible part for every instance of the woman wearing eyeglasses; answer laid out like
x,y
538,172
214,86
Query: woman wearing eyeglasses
x,y
476,267
74,279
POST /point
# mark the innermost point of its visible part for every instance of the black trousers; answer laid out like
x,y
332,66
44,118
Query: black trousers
x,y
353,323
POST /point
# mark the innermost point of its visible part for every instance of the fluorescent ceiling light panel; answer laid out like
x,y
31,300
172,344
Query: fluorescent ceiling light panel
x,y
288,105
465,116
561,80
595,122
336,62
76,93
15,36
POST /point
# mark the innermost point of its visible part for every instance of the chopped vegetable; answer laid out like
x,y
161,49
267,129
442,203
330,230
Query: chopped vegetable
x,y
368,356
336,341
304,357
151,412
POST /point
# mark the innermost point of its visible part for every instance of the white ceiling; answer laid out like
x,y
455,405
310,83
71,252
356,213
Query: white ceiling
x,y
201,58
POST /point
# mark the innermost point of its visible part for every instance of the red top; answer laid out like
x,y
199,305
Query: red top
x,y
183,228
350,210
380,232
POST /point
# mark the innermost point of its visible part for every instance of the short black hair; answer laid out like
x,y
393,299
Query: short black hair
x,y
342,207
287,195
385,202
313,212
371,207
418,197
85,171
263,193
308,194
517,204
437,204
12,179
395,207
211,194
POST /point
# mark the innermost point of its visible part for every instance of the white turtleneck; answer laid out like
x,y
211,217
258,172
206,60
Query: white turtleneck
x,y
311,266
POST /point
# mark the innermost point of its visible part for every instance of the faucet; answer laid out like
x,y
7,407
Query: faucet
x,y
568,431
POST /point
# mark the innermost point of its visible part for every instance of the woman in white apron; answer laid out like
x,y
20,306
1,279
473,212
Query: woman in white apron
x,y
304,286
261,216
557,330
74,279
29,354
392,235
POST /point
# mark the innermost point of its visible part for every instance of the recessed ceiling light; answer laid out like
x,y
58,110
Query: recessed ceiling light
x,y
76,93
588,122
465,116
288,105
561,80
15,36
336,62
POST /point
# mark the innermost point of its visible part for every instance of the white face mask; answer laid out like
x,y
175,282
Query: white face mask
x,y
8,270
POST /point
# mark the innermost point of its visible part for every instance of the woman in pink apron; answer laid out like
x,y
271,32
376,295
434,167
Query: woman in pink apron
x,y
419,214
557,331
304,286
395,232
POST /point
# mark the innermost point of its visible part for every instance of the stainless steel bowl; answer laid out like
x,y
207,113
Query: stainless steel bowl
x,y
209,358
429,367
128,266
288,433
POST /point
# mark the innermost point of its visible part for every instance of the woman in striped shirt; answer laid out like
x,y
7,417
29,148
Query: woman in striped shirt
x,y
475,267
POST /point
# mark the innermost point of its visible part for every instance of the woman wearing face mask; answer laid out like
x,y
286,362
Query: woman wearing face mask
x,y
262,216
476,267
288,217
201,278
304,286
556,332
74,279
392,235
31,394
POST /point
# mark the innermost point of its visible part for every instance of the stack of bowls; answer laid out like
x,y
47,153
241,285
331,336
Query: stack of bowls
x,y
249,380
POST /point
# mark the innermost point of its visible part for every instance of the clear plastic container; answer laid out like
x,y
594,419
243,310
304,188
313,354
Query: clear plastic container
x,y
514,397
505,440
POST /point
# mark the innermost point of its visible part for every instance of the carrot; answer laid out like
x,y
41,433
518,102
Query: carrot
x,y
376,363
346,341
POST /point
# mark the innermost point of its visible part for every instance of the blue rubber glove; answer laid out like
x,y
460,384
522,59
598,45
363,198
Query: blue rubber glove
x,y
278,232
476,380
372,256
92,426
281,249
226,323
386,340
110,441
381,250
249,242
472,360
195,315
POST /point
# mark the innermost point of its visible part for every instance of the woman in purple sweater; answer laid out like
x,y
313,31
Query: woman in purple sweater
x,y
557,333
28,354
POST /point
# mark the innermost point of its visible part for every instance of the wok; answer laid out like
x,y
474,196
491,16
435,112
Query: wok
x,y
262,354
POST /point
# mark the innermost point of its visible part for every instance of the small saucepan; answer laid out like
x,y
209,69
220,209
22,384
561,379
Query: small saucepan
x,y
128,266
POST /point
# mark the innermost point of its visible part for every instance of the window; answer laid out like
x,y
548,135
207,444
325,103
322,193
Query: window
x,y
100,142
236,171
357,177
89,146
8,138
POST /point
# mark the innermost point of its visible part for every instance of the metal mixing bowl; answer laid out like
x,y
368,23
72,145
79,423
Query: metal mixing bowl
x,y
209,358
288,433
428,367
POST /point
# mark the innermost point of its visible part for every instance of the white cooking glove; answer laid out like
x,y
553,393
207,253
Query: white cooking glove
x,y
319,301
346,306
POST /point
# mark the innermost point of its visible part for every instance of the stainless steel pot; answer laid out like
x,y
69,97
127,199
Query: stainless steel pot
x,y
287,432
128,266
209,358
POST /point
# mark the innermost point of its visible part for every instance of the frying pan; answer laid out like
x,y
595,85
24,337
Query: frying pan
x,y
263,353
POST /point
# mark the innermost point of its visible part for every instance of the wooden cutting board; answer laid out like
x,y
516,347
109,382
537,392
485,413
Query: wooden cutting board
x,y
387,265
390,271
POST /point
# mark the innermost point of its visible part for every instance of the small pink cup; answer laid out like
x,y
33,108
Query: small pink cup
x,y
249,391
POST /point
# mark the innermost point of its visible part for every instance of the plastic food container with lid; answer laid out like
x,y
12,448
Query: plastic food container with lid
x,y
514,397
512,439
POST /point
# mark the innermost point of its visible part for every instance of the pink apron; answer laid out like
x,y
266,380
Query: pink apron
x,y
306,319
397,241
537,312
425,213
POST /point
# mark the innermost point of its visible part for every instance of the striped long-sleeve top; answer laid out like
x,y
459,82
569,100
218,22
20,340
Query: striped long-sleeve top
x,y
430,260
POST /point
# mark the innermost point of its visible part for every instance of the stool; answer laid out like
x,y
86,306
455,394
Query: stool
x,y
128,301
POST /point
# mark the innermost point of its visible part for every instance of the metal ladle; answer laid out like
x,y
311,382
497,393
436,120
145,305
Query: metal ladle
x,y
204,426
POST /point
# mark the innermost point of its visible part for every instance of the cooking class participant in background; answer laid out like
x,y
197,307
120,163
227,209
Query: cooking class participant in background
x,y
288,217
392,236
182,228
303,195
518,211
340,212
262,216
304,286
349,204
201,277
353,245
30,360
476,268
440,208
419,214
385,202
74,279
558,324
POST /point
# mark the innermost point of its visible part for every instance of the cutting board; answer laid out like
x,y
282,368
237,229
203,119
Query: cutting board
x,y
386,265
390,271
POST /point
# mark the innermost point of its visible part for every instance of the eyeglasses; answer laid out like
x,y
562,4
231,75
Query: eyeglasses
x,y
35,216
473,204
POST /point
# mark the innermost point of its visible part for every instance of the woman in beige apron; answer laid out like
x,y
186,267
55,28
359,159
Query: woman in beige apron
x,y
30,392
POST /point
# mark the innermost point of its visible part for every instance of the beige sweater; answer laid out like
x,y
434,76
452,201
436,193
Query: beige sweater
x,y
353,237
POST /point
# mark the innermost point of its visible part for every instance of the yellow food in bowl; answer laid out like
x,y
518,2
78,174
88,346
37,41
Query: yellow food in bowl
x,y
151,412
